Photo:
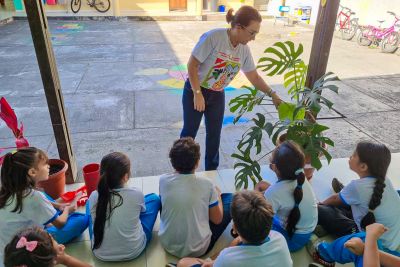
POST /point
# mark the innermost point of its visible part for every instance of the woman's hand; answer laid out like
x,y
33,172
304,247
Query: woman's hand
x,y
276,99
198,101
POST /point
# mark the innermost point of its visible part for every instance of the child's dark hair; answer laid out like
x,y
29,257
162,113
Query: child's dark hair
x,y
113,168
243,16
377,157
184,155
252,215
289,160
43,255
15,180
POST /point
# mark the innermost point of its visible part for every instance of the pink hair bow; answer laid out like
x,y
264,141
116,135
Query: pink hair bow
x,y
29,245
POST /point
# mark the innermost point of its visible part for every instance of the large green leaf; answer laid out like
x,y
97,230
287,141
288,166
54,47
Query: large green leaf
x,y
248,170
289,111
295,78
280,57
245,102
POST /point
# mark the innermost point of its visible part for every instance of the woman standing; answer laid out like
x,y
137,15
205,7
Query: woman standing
x,y
216,59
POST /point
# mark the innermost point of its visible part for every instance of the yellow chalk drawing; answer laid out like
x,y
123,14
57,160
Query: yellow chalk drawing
x,y
71,26
152,71
174,83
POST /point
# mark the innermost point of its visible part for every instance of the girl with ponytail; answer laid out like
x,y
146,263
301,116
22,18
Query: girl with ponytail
x,y
123,217
372,198
292,197
216,59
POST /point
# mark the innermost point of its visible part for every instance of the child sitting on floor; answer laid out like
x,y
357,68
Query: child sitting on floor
x,y
194,213
34,247
123,218
372,198
22,206
292,197
257,244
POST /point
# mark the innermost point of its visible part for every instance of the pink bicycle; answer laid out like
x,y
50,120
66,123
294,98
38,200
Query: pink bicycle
x,y
387,38
345,24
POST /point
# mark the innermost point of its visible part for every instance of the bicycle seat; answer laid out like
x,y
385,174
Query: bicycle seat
x,y
381,21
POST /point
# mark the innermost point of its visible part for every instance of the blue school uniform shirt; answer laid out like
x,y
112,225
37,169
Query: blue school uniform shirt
x,y
271,253
280,195
358,193
36,211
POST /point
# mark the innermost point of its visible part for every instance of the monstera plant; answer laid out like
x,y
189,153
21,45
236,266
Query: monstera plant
x,y
297,119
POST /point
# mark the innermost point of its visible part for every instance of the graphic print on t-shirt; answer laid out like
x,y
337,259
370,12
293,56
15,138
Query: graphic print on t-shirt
x,y
222,72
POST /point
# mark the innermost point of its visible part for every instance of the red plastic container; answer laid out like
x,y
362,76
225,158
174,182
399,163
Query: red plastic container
x,y
91,175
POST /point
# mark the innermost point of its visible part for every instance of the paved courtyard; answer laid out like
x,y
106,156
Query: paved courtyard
x,y
122,84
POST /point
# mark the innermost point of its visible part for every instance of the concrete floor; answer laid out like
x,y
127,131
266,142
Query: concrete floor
x,y
122,83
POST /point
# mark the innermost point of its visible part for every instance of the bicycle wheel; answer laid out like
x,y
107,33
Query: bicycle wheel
x,y
102,5
390,42
76,5
349,30
362,38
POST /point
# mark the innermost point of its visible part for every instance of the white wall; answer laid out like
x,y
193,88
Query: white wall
x,y
369,11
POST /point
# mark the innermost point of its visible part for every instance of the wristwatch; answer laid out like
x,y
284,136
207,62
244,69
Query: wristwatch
x,y
198,91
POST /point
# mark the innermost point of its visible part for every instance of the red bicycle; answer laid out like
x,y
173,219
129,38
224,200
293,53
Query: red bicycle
x,y
345,24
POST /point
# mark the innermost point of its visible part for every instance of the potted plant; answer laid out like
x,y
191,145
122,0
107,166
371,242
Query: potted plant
x,y
297,119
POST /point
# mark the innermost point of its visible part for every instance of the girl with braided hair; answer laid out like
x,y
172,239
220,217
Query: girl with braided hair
x,y
292,196
372,198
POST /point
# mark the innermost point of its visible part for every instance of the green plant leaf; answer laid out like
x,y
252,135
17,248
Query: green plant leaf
x,y
291,111
245,102
251,139
295,78
280,57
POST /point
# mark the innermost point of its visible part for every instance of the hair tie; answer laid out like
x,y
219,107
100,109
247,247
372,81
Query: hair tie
x,y
369,210
29,245
296,205
298,171
299,186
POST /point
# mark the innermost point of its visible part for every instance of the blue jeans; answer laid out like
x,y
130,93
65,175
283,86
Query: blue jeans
x,y
297,242
74,227
214,116
149,217
218,229
336,252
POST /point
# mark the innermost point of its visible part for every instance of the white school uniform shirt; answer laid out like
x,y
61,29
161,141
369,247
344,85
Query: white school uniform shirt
x,y
124,238
271,253
358,193
36,211
220,61
280,195
186,200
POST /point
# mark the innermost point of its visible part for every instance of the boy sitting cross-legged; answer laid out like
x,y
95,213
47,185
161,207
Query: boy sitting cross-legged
x,y
257,244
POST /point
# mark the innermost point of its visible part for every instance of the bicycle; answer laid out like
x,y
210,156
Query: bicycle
x,y
345,24
100,5
387,38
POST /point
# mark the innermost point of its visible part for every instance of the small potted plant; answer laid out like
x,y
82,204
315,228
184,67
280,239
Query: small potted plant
x,y
297,119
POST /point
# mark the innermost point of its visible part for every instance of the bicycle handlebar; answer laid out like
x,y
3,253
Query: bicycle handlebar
x,y
343,7
393,14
